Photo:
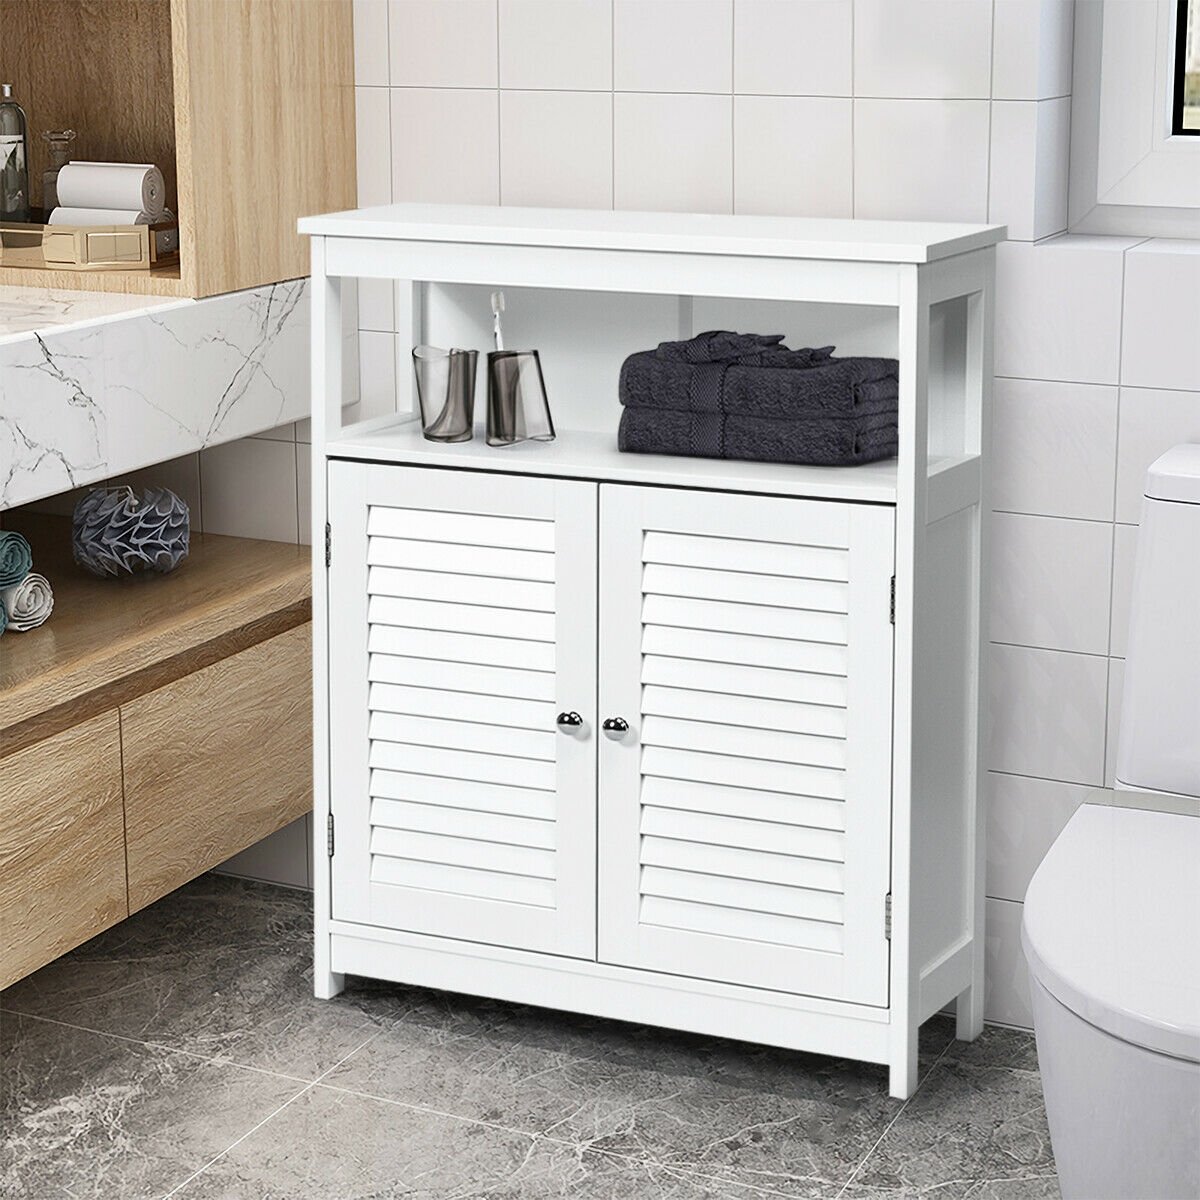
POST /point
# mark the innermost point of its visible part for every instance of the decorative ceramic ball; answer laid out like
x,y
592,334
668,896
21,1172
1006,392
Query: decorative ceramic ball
x,y
115,531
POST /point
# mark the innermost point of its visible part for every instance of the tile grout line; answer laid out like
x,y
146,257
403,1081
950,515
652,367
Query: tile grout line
x,y
148,1045
269,1117
903,1108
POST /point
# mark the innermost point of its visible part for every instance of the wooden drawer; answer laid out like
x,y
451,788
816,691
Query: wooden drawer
x,y
62,846
216,761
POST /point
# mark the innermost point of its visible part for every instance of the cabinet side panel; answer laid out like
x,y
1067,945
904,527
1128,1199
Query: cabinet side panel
x,y
943,798
62,844
268,132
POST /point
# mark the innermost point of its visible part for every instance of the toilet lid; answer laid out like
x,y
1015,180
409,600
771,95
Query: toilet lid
x,y
1111,926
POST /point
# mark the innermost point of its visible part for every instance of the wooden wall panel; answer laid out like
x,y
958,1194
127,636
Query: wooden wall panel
x,y
216,761
100,67
62,845
265,111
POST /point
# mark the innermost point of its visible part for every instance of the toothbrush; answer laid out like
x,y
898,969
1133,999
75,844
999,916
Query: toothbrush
x,y
497,309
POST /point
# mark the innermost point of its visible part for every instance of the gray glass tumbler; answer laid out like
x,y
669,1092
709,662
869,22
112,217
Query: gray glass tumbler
x,y
446,392
517,408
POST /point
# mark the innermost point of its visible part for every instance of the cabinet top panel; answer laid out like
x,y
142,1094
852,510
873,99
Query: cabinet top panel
x,y
688,233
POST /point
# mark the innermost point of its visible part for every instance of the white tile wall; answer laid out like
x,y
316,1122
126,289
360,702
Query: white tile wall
x,y
1047,710
921,159
1006,979
556,149
1058,309
248,489
923,49
443,43
673,152
793,154
1160,343
559,44
673,45
1054,448
445,145
1024,816
1151,422
1051,581
1031,49
1025,190
793,49
371,43
921,109
1124,552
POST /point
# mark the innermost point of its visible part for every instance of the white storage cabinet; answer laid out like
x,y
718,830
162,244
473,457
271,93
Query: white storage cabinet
x,y
671,740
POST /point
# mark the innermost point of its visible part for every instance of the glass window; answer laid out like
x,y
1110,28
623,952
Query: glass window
x,y
1187,68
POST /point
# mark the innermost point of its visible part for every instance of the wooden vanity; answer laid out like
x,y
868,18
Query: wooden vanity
x,y
154,727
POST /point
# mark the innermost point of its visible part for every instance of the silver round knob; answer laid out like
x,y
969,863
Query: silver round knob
x,y
615,728
567,721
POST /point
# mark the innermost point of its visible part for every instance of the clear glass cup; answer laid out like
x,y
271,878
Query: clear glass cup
x,y
517,408
446,392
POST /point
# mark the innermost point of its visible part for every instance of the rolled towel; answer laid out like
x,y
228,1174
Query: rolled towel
x,y
3,618
28,603
136,187
102,216
16,558
820,441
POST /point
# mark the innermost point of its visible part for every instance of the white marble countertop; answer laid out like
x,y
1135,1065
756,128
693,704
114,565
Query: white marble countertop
x,y
26,311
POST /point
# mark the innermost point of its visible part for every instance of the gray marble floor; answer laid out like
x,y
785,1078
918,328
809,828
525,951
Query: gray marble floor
x,y
181,1054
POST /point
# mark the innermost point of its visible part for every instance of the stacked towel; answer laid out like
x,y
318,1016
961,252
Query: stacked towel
x,y
747,396
26,599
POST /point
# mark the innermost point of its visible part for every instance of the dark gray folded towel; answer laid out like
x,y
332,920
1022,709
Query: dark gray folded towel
x,y
815,441
717,345
752,375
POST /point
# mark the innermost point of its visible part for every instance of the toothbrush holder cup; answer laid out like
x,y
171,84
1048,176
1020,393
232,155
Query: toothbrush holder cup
x,y
446,392
517,407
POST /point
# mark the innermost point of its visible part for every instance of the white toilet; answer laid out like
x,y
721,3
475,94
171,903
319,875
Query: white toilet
x,y
1111,925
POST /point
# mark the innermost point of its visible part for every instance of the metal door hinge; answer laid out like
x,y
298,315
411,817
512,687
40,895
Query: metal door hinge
x,y
887,914
329,834
329,544
891,610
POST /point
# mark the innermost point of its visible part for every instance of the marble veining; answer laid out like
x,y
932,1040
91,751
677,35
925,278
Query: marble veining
x,y
181,1054
25,311
80,402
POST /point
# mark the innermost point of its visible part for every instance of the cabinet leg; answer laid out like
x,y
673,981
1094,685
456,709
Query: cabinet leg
x,y
327,984
902,1070
968,1013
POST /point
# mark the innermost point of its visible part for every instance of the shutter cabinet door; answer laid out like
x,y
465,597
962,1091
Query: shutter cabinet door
x,y
462,620
745,815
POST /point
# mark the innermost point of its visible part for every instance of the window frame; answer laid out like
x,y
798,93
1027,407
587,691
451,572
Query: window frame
x,y
1180,71
1130,172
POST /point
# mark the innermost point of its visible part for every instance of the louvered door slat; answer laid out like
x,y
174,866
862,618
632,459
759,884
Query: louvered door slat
x,y
748,895
747,712
463,620
462,706
520,594
745,816
785,808
658,579
796,624
476,678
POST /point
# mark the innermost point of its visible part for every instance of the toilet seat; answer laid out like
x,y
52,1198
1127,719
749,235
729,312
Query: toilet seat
x,y
1111,926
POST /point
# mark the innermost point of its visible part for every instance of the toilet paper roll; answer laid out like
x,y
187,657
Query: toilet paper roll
x,y
136,187
101,216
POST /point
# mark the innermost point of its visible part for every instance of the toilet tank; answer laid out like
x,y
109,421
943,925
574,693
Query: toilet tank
x,y
1159,744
